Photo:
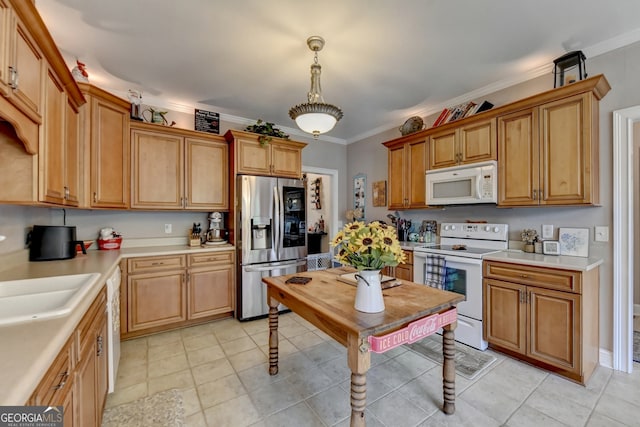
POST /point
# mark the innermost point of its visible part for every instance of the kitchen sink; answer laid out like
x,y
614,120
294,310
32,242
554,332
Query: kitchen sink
x,y
42,298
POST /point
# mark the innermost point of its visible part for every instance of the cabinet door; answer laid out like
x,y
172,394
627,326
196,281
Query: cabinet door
x,y
207,174
286,160
6,31
109,155
443,151
505,315
566,161
102,364
253,157
30,65
85,388
157,170
415,174
396,168
210,291
156,299
73,156
554,327
52,146
518,151
477,142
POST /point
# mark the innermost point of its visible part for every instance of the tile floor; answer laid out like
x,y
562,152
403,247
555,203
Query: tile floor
x,y
221,368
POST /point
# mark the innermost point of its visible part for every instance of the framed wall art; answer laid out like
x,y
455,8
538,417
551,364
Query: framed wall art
x,y
379,193
574,241
359,191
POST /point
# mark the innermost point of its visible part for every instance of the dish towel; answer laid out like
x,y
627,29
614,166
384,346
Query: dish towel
x,y
435,271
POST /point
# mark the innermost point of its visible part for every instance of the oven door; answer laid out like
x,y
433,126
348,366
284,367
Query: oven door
x,y
464,276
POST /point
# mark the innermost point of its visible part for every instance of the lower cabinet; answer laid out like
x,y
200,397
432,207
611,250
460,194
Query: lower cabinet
x,y
402,271
548,317
166,292
77,379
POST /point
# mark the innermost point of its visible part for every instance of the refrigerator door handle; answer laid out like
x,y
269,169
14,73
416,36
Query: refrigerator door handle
x,y
275,267
277,222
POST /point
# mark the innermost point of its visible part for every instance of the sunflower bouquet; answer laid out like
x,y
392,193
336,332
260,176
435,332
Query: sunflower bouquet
x,y
370,246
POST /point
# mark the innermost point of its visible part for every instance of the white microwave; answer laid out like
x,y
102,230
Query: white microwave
x,y
465,184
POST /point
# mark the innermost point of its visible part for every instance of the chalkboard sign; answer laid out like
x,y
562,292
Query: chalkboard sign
x,y
207,121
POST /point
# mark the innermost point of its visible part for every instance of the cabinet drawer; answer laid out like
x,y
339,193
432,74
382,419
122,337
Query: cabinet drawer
x,y
210,258
549,278
156,263
88,323
409,260
58,378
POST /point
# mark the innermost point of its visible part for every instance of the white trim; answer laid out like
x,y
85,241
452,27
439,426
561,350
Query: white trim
x,y
622,237
333,229
606,358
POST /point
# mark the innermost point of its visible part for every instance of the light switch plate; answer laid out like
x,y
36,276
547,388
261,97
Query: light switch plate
x,y
547,231
602,233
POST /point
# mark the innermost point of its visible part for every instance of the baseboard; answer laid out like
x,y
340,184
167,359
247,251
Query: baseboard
x,y
606,358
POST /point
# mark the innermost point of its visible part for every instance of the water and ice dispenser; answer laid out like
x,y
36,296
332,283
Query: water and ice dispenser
x,y
261,233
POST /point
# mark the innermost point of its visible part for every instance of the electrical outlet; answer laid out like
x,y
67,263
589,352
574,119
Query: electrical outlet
x,y
547,231
602,233
167,228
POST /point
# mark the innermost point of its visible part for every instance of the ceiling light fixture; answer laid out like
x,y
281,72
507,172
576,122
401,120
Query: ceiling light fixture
x,y
315,117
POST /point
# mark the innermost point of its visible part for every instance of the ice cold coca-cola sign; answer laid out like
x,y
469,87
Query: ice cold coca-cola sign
x,y
412,332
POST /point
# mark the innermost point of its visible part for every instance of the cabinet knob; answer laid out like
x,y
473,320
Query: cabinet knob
x,y
13,77
95,197
63,380
535,194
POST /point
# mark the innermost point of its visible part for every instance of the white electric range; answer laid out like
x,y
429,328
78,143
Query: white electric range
x,y
463,245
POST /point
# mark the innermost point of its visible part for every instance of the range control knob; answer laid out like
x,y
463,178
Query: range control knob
x,y
446,227
487,228
453,227
496,229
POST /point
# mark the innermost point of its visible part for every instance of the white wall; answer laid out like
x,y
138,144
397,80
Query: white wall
x,y
314,214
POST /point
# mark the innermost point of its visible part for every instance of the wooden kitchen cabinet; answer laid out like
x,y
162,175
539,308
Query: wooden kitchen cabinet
x,y
59,160
402,271
178,169
545,316
549,153
171,291
105,139
278,157
407,164
471,142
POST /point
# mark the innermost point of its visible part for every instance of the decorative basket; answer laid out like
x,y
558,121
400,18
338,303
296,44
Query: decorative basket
x,y
108,244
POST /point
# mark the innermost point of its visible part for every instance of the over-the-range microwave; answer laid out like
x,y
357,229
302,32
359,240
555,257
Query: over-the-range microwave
x,y
465,184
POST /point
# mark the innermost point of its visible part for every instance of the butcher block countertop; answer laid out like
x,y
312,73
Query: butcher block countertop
x,y
563,262
28,349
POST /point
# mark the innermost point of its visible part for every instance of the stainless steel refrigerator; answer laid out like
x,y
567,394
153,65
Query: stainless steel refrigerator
x,y
271,226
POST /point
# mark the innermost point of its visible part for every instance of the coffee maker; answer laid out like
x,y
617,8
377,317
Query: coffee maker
x,y
215,233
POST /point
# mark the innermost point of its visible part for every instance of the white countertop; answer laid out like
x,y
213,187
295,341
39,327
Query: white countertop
x,y
409,246
553,261
28,349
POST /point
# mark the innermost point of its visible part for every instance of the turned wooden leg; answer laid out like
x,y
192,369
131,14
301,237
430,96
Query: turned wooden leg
x,y
449,369
273,336
359,360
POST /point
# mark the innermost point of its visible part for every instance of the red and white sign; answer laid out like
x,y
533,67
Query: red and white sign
x,y
412,332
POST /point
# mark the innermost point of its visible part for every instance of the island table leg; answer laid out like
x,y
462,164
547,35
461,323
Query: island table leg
x,y
449,368
273,336
359,360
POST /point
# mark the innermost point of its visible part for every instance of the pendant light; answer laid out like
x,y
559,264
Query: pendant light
x,y
315,116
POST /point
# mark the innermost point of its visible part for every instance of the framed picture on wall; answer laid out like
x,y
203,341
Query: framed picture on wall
x,y
574,241
359,191
379,193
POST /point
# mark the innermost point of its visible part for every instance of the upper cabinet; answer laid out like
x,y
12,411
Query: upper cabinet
x,y
407,158
469,143
278,157
548,152
178,169
105,139
27,54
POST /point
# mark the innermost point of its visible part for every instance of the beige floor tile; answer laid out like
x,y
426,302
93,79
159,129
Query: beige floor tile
x,y
285,348
230,332
556,406
161,367
212,371
181,380
165,338
306,340
236,412
395,410
255,326
290,331
220,390
247,359
204,355
127,394
258,376
129,375
133,345
331,405
196,420
526,416
601,420
199,341
299,414
261,338
238,346
164,351
618,409
191,401
197,330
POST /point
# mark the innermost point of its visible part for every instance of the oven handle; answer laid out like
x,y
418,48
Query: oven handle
x,y
462,260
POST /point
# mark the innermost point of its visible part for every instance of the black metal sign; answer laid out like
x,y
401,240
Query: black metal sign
x,y
207,121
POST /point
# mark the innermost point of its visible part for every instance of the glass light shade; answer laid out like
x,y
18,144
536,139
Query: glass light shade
x,y
316,123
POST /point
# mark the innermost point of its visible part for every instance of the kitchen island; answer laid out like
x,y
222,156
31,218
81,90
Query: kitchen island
x,y
328,303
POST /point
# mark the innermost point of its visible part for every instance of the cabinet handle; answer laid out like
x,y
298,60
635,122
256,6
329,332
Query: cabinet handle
x,y
158,263
66,193
63,380
541,194
524,276
13,77
99,344
95,197
535,194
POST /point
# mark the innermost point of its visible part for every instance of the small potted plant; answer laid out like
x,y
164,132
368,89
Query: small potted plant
x,y
529,237
267,131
